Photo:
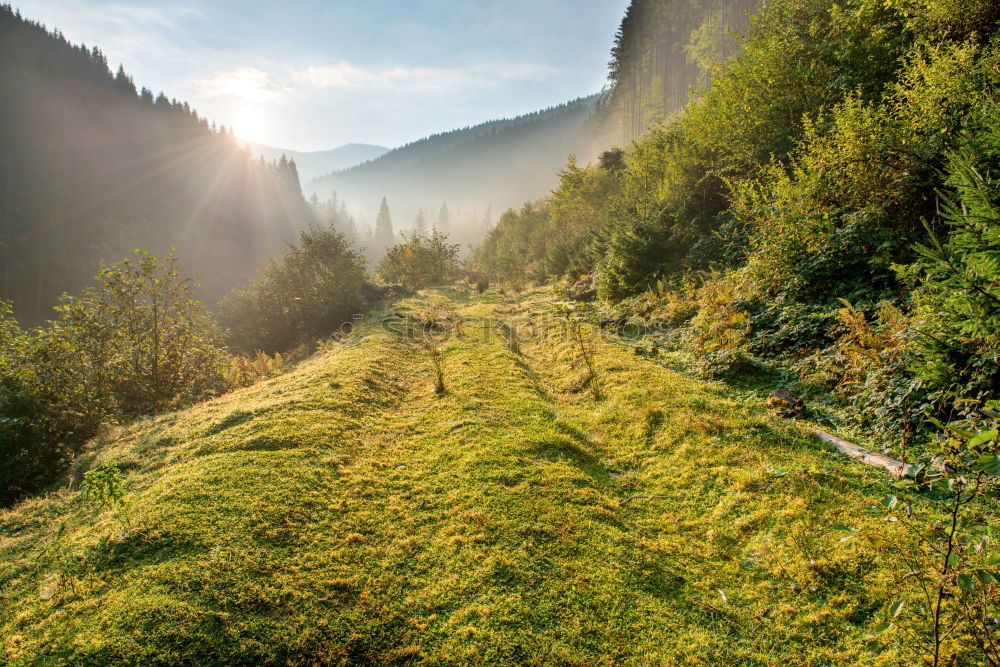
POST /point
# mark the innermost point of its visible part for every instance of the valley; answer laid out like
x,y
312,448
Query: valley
x,y
344,511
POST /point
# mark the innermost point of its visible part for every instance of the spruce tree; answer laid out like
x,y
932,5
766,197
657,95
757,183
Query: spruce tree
x,y
444,220
384,236
958,304
488,218
420,224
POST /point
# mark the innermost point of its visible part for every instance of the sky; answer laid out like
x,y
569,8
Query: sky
x,y
314,74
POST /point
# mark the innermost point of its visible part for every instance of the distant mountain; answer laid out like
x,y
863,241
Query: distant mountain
x,y
498,164
92,168
313,164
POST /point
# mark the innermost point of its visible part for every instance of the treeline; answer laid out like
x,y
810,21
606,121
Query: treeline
x,y
664,50
829,203
138,342
499,163
464,227
92,167
436,144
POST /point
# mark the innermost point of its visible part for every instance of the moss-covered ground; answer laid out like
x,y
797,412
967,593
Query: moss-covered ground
x,y
346,512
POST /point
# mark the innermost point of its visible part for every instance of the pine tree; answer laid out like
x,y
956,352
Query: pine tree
x,y
959,301
292,177
384,236
124,81
420,224
350,229
444,220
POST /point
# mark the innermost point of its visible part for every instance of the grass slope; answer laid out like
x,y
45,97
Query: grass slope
x,y
344,512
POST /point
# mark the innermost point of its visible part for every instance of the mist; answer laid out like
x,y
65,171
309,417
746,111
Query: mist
x,y
474,173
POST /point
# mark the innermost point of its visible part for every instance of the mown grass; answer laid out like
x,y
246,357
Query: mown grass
x,y
346,512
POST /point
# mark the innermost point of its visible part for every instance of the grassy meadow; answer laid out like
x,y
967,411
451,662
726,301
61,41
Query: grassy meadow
x,y
347,512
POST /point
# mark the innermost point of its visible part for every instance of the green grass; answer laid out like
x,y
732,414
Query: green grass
x,y
344,512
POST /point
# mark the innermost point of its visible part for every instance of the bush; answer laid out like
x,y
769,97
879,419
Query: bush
x,y
420,261
719,330
311,292
135,344
29,449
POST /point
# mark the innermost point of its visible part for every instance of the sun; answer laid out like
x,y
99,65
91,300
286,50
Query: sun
x,y
249,124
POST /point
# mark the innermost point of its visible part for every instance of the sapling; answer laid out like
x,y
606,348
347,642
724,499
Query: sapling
x,y
434,351
948,568
434,318
574,326
104,486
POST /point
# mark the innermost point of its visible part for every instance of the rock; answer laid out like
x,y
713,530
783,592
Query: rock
x,y
786,401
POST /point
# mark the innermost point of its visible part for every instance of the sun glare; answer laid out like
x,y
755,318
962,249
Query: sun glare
x,y
249,124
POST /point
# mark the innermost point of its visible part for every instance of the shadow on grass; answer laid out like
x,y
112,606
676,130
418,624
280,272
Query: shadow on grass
x,y
575,447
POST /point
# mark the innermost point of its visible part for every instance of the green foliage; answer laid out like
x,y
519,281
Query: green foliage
x,y
135,344
612,160
795,182
104,486
554,238
420,261
310,292
709,45
141,337
947,566
32,443
958,303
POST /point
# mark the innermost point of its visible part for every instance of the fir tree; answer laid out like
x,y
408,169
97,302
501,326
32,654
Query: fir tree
x,y
384,235
444,220
959,302
420,224
488,218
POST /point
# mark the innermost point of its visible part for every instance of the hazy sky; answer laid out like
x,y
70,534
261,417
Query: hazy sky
x,y
316,74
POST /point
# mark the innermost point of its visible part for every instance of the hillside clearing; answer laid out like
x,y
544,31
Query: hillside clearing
x,y
345,512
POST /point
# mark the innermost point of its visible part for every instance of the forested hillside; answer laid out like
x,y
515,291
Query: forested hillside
x,y
665,50
828,205
615,433
499,163
91,168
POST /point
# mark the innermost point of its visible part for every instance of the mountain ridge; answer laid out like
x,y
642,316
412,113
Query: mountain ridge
x,y
313,164
499,164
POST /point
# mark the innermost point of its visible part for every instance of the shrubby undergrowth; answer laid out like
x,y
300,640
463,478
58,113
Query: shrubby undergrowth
x,y
829,205
138,343
135,344
313,290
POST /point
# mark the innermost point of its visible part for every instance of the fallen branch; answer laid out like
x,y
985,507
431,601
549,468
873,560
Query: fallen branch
x,y
897,468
